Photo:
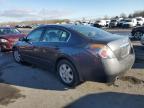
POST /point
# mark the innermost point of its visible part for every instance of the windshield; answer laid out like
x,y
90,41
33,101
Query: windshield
x,y
122,20
98,21
90,32
128,20
139,19
7,31
113,20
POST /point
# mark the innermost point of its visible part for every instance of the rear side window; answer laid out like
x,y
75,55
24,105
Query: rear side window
x,y
56,35
90,32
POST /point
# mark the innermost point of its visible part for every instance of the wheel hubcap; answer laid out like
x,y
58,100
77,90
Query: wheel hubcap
x,y
66,73
17,56
138,35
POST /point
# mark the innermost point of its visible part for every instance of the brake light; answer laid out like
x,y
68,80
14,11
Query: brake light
x,y
103,53
106,53
101,50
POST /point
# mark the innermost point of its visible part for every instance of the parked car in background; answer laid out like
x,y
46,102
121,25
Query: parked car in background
x,y
24,26
140,21
77,53
120,23
130,23
100,23
8,36
86,23
137,32
113,23
107,23
142,40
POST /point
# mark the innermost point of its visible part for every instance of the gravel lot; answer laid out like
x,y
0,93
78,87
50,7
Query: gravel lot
x,y
26,86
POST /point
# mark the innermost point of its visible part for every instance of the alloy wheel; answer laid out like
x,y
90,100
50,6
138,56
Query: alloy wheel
x,y
138,35
66,73
17,56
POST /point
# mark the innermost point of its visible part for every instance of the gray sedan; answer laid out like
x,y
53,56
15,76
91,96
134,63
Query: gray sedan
x,y
77,53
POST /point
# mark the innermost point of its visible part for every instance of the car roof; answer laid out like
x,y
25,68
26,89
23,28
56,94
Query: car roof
x,y
68,26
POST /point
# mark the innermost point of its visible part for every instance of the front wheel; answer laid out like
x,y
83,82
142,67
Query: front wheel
x,y
138,35
67,73
17,56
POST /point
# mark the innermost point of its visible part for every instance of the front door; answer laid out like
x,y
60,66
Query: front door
x,y
30,49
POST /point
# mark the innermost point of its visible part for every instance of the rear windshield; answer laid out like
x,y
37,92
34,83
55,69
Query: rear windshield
x,y
8,31
90,32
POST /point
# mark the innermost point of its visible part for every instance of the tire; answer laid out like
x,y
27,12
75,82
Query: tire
x,y
67,73
138,35
17,56
1,49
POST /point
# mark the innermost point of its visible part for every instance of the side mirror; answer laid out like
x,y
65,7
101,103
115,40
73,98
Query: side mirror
x,y
21,39
24,39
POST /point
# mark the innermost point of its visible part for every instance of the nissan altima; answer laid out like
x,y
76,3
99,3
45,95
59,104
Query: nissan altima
x,y
76,53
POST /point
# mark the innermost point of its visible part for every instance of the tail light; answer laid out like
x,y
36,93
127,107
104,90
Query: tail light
x,y
101,50
106,53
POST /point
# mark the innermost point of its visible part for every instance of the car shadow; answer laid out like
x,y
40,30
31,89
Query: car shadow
x,y
108,100
29,76
139,64
139,54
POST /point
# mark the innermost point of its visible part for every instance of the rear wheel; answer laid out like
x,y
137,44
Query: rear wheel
x,y
67,73
138,35
17,56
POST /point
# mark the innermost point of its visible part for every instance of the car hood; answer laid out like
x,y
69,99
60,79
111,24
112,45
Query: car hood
x,y
12,36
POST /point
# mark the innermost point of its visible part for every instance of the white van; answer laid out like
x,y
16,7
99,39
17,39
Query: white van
x,y
130,23
101,23
140,21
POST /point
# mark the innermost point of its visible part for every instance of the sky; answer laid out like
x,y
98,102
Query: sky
x,y
21,10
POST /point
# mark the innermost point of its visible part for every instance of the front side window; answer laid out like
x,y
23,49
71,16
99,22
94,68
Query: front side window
x,y
35,35
55,35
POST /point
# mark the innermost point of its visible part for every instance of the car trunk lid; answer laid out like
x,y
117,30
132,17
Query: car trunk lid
x,y
119,45
121,48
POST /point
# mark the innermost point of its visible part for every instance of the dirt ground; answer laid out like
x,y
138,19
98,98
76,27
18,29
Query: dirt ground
x,y
27,86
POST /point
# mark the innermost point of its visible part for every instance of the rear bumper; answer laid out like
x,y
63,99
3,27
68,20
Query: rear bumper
x,y
127,25
114,68
104,70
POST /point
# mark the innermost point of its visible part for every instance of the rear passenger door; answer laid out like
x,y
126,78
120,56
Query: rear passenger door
x,y
53,41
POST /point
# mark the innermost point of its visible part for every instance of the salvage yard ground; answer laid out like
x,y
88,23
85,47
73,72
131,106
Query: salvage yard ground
x,y
26,86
